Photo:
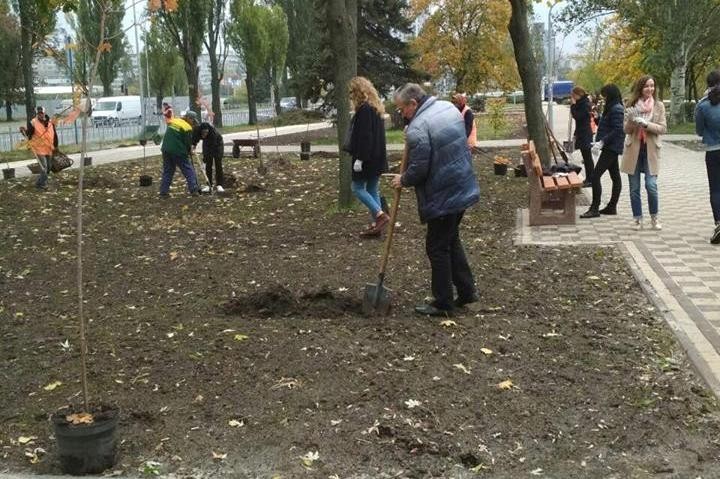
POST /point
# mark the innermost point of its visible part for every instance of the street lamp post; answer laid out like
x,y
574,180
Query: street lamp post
x,y
139,63
550,67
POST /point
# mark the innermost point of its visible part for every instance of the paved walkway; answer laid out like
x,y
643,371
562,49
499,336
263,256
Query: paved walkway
x,y
678,267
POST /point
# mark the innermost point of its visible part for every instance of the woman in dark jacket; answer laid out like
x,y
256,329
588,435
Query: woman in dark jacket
x,y
609,141
580,109
366,144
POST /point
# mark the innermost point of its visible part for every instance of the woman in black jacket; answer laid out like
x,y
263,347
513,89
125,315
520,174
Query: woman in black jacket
x,y
609,141
366,144
580,109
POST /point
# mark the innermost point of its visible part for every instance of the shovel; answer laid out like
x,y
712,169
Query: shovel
x,y
194,158
377,296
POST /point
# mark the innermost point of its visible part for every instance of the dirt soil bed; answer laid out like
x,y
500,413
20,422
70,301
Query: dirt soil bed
x,y
227,330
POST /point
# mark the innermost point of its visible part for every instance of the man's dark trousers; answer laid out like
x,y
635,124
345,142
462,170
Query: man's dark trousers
x,y
447,261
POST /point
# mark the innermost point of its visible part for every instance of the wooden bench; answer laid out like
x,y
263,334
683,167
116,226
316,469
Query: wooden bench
x,y
237,146
552,198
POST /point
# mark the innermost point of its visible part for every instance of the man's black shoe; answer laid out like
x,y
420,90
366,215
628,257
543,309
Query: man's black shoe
x,y
460,302
716,236
590,214
608,211
430,310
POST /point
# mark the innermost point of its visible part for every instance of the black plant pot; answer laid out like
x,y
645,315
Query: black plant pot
x,y
145,180
88,161
500,170
8,173
87,448
305,150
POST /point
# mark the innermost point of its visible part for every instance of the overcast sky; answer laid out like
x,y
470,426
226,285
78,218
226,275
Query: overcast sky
x,y
568,43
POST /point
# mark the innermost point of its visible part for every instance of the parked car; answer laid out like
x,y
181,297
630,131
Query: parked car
x,y
115,110
288,103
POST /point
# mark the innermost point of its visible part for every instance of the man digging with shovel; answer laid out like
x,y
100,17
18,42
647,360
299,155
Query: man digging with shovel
x,y
439,166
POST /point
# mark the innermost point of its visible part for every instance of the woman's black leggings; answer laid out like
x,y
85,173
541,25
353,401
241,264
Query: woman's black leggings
x,y
608,161
587,162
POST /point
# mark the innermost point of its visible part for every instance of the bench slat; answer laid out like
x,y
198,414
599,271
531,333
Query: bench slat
x,y
562,183
537,167
574,179
548,183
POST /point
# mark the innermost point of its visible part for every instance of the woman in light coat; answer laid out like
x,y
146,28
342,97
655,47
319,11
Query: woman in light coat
x,y
644,123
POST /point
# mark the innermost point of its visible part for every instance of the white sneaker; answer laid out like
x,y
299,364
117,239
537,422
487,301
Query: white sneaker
x,y
219,189
655,223
638,224
205,189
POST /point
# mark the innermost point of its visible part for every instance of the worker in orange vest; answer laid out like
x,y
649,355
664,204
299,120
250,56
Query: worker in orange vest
x,y
460,101
43,141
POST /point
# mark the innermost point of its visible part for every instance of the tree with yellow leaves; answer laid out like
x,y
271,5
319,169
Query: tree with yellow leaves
x,y
467,39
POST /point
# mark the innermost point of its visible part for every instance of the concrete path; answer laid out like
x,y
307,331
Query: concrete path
x,y
678,267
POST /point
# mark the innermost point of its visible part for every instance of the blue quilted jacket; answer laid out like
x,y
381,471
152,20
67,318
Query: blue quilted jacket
x,y
439,162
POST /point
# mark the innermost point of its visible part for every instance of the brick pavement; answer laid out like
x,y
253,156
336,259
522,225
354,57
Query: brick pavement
x,y
678,267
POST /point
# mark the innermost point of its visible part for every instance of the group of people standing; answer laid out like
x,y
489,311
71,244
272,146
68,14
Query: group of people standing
x,y
631,133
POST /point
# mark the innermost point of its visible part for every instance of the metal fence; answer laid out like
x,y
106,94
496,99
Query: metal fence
x,y
105,135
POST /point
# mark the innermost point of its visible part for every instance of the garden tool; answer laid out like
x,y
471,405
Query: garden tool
x,y
202,170
377,296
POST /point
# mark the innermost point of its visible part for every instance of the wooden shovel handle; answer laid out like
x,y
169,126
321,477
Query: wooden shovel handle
x,y
393,216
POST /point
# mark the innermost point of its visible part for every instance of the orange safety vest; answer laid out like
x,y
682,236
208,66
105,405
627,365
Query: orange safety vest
x,y
472,137
42,141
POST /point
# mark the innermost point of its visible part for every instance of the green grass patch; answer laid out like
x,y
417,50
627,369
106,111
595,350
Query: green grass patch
x,y
682,129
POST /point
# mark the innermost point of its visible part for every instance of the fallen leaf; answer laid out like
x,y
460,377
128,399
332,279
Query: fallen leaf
x,y
80,418
235,423
486,351
551,334
52,385
173,255
241,337
26,439
309,458
447,323
462,368
219,456
505,385
411,403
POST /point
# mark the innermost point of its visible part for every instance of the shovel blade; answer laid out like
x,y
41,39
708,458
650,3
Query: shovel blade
x,y
376,300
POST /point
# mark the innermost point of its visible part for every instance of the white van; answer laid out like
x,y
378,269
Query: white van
x,y
115,110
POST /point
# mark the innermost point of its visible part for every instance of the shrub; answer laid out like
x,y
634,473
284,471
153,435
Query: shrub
x,y
496,115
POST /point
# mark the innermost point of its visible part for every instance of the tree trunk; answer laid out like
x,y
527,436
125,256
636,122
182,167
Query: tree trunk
x,y
192,74
677,93
26,27
8,110
276,92
342,17
215,89
107,89
252,106
527,67
158,102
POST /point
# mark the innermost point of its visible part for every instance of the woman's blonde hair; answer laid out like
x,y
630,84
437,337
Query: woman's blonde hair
x,y
362,91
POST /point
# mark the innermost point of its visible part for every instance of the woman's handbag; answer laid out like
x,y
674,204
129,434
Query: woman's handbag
x,y
60,161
